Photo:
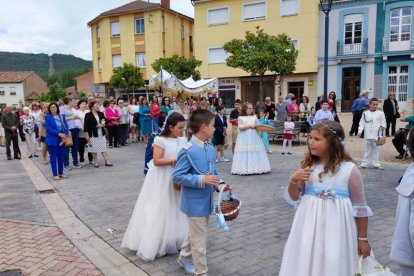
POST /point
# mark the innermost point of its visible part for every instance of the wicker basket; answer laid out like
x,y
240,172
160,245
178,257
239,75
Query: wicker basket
x,y
265,128
229,207
381,138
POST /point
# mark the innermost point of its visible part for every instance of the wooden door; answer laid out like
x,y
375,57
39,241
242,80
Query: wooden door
x,y
351,87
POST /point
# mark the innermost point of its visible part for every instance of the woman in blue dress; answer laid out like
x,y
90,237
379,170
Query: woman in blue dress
x,y
145,119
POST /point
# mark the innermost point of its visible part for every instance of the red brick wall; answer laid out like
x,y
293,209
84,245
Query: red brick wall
x,y
34,83
84,82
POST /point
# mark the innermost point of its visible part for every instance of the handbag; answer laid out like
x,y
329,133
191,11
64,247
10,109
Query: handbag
x,y
369,266
397,115
69,140
381,137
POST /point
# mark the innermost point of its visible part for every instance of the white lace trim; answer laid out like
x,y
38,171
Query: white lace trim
x,y
362,211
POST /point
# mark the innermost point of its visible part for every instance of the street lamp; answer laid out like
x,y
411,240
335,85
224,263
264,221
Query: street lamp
x,y
326,6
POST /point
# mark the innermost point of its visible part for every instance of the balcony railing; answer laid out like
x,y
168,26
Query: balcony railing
x,y
397,46
343,49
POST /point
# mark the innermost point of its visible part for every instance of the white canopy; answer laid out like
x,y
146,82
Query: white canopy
x,y
188,86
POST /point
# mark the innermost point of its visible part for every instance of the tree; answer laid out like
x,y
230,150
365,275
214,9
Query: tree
x,y
181,67
55,93
259,53
82,95
128,77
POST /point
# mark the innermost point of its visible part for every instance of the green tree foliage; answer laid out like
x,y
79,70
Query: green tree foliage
x,y
82,95
55,93
128,77
12,61
259,53
181,67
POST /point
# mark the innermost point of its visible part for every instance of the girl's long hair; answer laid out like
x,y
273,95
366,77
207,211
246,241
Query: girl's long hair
x,y
336,149
244,109
172,120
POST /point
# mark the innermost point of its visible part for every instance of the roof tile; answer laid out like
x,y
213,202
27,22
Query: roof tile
x,y
14,76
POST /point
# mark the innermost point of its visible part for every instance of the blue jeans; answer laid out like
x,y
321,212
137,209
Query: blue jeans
x,y
57,154
155,125
74,148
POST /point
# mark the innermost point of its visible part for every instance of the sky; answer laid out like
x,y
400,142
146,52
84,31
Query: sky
x,y
57,26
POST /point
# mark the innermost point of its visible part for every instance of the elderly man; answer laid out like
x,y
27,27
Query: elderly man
x,y
281,109
358,107
10,123
269,107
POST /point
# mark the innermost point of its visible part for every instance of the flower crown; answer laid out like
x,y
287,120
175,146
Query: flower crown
x,y
342,141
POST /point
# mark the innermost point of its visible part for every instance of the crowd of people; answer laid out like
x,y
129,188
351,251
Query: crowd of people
x,y
186,138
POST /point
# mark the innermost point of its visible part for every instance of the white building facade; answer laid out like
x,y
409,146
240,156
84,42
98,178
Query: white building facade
x,y
351,58
11,93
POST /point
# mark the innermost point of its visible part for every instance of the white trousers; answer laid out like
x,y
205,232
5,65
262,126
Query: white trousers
x,y
371,148
30,143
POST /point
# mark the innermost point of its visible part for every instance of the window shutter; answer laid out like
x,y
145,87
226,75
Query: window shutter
x,y
254,11
218,16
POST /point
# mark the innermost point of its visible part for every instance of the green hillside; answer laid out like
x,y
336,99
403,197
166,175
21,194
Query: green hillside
x,y
42,63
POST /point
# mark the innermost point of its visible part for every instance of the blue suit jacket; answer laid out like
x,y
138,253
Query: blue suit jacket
x,y
194,162
52,132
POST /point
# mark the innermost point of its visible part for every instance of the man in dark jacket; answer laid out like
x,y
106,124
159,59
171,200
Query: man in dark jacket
x,y
10,123
390,109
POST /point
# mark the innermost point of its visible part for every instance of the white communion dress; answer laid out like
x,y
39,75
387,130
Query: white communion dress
x,y
157,226
249,154
323,237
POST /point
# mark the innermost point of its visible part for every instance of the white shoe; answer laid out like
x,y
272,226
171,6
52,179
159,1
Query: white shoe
x,y
217,160
379,167
269,151
364,165
224,159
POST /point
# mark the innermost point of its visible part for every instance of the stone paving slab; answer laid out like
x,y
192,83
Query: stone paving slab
x,y
40,250
104,199
18,197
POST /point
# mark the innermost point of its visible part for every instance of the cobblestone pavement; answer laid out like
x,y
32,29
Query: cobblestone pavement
x,y
29,239
40,250
104,199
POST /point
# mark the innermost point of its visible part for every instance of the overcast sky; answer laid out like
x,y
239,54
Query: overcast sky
x,y
57,26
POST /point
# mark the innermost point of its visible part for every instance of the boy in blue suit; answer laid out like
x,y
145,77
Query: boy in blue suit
x,y
196,173
220,132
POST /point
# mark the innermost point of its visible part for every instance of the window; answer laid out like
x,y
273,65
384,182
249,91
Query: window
x,y
295,43
400,24
98,34
139,26
217,55
289,7
12,90
115,29
182,32
398,81
353,28
116,61
141,60
99,65
2,91
254,11
191,43
218,16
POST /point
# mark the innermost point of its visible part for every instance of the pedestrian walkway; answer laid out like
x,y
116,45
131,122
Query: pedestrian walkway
x,y
40,250
29,238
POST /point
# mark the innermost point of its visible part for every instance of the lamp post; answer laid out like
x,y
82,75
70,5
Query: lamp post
x,y
326,6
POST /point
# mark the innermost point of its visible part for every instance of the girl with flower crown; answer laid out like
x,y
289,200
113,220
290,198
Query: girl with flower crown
x,y
157,226
329,230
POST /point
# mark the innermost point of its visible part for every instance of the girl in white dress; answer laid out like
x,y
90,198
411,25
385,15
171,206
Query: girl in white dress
x,y
157,226
329,230
249,153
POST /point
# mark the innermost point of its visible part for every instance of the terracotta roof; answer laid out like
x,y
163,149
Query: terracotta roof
x,y
14,76
131,7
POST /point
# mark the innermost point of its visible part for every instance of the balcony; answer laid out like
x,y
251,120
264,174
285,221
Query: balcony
x,y
397,46
343,49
